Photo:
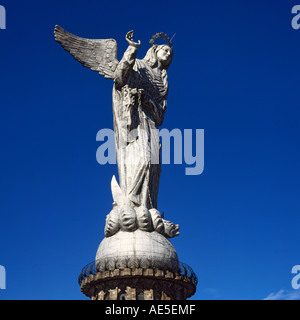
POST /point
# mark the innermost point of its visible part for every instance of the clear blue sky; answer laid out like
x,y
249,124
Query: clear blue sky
x,y
235,74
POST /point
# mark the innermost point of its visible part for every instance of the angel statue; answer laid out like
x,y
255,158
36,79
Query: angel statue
x,y
139,104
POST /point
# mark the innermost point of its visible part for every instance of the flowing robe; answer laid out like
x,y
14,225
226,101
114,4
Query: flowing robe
x,y
139,105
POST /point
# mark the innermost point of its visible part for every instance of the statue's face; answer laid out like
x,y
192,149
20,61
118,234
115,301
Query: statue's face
x,y
164,55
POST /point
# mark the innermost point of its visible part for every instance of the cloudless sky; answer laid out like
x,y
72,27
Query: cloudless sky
x,y
235,74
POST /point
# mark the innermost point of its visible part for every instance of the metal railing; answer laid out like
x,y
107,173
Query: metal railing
x,y
98,266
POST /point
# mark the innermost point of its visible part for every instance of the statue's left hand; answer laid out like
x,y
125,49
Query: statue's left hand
x,y
129,39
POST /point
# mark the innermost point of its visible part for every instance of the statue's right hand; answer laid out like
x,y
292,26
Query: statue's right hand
x,y
129,39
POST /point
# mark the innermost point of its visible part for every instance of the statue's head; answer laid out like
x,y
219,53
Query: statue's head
x,y
159,53
164,55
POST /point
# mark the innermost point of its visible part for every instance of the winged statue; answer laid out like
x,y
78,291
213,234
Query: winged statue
x,y
139,104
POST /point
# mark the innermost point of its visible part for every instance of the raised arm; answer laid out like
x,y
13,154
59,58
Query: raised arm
x,y
125,65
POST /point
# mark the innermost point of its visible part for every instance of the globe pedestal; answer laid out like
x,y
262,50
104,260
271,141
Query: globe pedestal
x,y
137,265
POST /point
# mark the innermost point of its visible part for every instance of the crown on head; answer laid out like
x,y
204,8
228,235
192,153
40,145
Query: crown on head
x,y
160,35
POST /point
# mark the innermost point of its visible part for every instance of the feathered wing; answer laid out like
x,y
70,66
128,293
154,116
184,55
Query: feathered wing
x,y
97,54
